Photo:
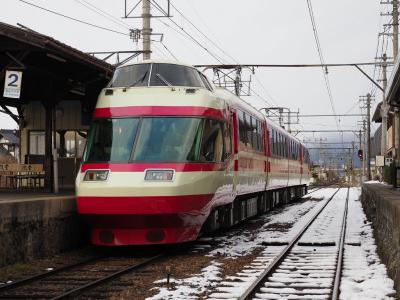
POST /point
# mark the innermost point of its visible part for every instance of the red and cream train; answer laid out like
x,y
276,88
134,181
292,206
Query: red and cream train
x,y
169,155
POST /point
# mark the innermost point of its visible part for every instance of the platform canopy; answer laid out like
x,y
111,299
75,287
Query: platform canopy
x,y
52,71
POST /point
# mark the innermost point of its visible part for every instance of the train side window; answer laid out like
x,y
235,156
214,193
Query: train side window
x,y
212,142
249,130
271,141
242,127
205,81
294,146
284,146
260,135
227,140
254,126
279,144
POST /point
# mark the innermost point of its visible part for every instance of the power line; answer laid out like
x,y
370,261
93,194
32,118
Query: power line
x,y
203,34
73,19
321,58
169,51
103,13
188,35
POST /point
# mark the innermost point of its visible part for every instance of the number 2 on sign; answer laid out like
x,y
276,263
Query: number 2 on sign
x,y
14,79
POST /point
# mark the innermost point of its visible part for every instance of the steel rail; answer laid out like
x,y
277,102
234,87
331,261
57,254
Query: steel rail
x,y
338,272
93,284
317,188
250,292
27,280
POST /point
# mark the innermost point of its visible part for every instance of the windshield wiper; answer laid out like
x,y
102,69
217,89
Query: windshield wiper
x,y
137,81
165,81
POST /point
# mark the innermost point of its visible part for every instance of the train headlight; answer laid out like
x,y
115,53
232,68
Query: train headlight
x,y
96,175
159,175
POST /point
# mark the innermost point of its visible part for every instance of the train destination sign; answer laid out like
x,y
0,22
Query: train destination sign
x,y
12,84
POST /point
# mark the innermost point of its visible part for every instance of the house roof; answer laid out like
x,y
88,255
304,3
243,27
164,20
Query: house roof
x,y
10,135
35,41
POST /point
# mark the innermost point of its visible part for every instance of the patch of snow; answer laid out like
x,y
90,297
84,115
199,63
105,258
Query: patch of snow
x,y
364,276
238,243
190,287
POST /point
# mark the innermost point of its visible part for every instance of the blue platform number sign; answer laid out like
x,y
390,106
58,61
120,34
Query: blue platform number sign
x,y
12,84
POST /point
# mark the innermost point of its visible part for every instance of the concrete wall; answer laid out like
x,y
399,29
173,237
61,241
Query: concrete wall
x,y
31,229
382,207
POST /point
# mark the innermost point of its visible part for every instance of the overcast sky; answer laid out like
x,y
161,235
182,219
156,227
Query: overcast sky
x,y
254,31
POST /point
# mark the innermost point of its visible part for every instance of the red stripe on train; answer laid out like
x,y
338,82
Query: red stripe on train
x,y
194,204
140,167
124,111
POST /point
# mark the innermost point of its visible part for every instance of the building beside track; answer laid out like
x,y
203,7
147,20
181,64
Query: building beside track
x,y
59,89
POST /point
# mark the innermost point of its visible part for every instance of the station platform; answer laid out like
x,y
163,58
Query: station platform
x,y
36,224
381,204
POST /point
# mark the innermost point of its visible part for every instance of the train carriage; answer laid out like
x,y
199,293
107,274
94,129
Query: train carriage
x,y
169,155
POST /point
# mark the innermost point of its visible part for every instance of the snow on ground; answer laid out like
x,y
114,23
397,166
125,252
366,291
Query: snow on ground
x,y
364,276
190,287
242,242
238,243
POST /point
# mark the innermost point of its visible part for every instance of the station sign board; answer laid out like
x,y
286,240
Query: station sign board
x,y
12,84
21,168
380,161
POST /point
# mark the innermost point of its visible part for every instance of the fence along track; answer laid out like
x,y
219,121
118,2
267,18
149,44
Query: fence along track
x,y
258,285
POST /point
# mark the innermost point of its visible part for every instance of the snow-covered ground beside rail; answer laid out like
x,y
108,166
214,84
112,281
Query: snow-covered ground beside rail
x,y
364,276
242,243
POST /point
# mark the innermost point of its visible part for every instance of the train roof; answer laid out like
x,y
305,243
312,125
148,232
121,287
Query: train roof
x,y
223,92
157,61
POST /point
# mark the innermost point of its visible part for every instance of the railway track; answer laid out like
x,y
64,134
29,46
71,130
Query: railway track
x,y
306,267
78,279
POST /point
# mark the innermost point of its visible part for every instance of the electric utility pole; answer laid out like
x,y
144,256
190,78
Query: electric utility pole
x,y
146,30
367,101
362,162
369,135
384,108
352,164
395,28
395,51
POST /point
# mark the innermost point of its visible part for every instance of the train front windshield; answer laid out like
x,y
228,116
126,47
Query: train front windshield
x,y
155,139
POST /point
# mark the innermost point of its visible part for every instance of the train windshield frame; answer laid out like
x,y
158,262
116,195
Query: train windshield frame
x,y
157,139
158,74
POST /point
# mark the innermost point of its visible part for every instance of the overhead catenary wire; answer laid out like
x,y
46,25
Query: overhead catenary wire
x,y
73,19
220,49
103,13
190,36
321,58
203,34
